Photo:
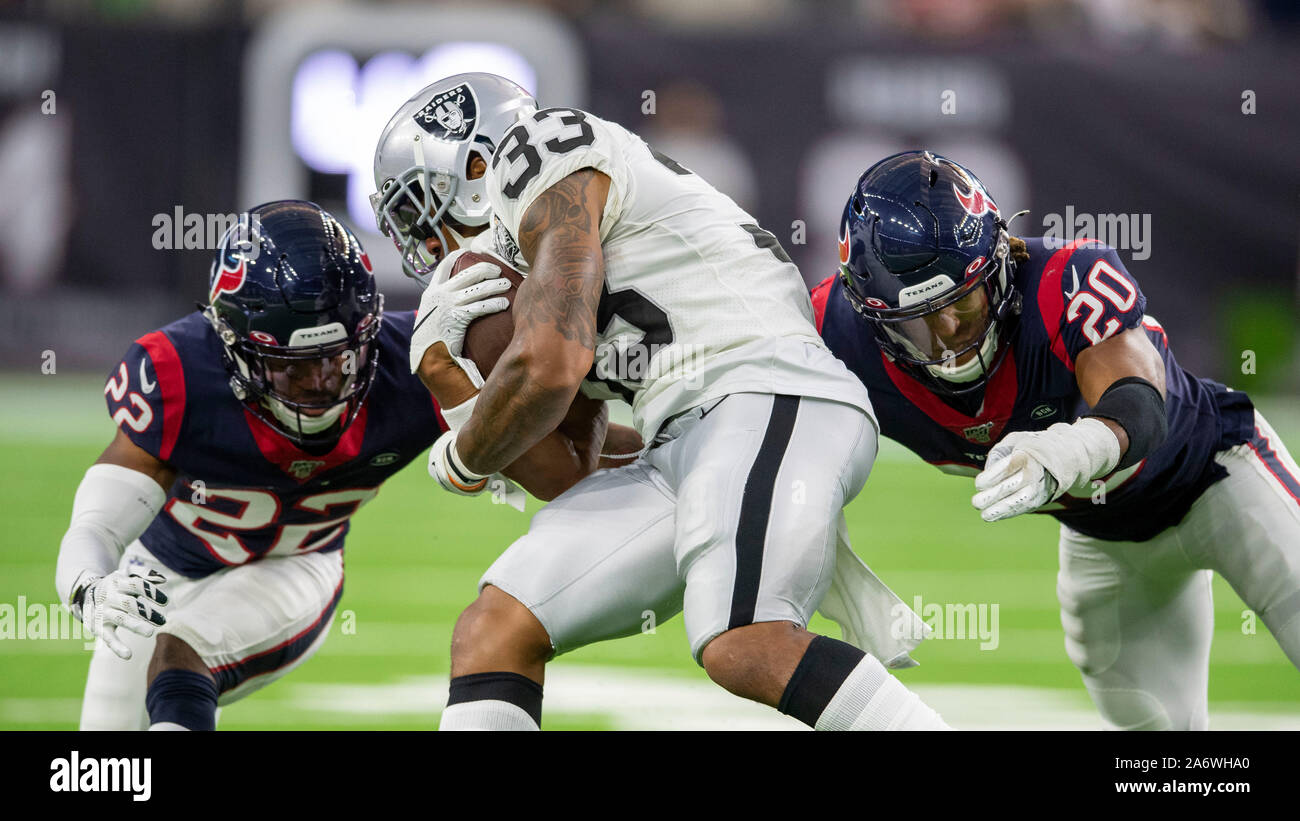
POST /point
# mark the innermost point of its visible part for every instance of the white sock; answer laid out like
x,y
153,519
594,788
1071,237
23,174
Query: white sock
x,y
487,714
167,726
872,699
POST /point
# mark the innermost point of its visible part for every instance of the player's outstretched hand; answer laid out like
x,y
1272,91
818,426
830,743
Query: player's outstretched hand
x,y
450,304
126,600
1013,481
1026,470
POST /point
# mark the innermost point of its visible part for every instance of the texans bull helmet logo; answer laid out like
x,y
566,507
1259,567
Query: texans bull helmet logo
x,y
229,280
241,245
974,199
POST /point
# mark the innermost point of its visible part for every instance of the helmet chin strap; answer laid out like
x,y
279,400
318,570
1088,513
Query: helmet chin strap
x,y
311,425
973,369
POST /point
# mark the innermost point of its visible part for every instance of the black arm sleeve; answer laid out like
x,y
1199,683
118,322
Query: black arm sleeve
x,y
1137,406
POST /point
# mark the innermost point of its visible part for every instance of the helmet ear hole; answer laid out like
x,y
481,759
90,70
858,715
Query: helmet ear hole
x,y
475,166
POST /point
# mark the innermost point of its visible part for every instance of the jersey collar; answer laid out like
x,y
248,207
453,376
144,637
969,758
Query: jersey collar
x,y
986,427
298,463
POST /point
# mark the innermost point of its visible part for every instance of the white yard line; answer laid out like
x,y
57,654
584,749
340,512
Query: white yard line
x,y
632,699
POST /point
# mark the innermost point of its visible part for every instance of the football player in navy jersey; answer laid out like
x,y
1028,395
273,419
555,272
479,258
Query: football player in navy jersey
x,y
211,529
1035,369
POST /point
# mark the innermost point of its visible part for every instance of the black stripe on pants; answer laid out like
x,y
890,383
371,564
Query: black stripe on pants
x,y
756,509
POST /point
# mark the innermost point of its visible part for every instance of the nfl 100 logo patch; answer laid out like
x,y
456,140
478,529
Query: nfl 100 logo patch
x,y
304,468
450,115
978,433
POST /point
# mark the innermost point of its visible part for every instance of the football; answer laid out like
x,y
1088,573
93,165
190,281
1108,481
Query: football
x,y
487,337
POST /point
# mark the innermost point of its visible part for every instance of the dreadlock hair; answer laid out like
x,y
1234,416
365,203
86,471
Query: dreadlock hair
x,y
1019,251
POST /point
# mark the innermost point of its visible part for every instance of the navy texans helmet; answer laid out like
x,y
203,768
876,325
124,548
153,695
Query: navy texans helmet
x,y
292,298
925,259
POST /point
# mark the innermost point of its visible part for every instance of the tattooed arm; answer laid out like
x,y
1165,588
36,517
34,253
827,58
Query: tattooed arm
x,y
533,384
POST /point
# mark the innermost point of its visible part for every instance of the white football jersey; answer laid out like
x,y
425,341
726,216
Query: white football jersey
x,y
698,302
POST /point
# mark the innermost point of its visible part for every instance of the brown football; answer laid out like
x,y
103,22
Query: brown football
x,y
487,337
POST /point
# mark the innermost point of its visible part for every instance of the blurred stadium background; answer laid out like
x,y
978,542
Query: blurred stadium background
x,y
120,119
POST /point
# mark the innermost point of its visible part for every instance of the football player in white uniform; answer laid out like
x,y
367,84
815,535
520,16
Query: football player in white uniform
x,y
643,283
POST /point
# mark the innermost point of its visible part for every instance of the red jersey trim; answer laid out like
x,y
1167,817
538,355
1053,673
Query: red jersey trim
x,y
820,294
1051,300
437,413
1152,325
281,452
999,399
171,381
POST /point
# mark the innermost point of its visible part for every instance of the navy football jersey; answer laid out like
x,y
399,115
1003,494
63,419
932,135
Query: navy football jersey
x,y
242,490
1074,297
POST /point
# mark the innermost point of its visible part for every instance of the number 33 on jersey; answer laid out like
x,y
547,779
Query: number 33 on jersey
x,y
698,300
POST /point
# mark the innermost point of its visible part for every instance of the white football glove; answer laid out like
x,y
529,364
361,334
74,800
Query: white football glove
x,y
463,483
450,304
126,600
1012,482
1026,470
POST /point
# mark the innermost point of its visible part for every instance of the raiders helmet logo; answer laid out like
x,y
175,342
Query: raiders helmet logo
x,y
450,115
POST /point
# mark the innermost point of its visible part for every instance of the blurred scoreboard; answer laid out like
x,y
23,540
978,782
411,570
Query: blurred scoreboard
x,y
321,82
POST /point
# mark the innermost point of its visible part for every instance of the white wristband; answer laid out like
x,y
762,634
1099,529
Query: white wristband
x,y
112,508
446,467
454,460
457,417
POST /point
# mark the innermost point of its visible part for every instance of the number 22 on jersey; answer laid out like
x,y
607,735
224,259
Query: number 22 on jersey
x,y
260,509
